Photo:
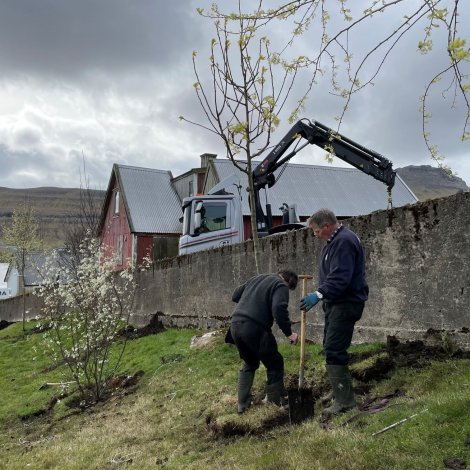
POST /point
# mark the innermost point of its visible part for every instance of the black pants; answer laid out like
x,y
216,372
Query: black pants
x,y
339,328
256,345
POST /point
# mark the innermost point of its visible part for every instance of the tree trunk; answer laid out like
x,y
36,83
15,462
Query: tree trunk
x,y
22,269
254,227
24,308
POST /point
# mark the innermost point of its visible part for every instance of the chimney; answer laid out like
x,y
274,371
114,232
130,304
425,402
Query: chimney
x,y
206,158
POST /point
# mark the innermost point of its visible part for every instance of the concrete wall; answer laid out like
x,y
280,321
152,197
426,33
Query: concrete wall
x,y
417,269
11,309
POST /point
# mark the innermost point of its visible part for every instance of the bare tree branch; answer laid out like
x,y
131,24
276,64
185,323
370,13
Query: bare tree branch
x,y
303,14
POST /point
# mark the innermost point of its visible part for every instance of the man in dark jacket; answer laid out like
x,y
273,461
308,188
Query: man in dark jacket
x,y
343,290
262,300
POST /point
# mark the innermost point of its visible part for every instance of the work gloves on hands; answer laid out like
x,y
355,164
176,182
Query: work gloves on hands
x,y
309,301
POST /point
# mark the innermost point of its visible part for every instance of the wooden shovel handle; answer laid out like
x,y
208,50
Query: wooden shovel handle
x,y
303,316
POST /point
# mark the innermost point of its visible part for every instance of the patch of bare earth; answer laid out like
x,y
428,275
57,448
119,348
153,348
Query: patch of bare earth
x,y
154,327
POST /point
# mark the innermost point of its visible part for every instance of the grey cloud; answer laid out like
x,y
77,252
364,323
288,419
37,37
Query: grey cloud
x,y
27,137
107,80
30,169
69,38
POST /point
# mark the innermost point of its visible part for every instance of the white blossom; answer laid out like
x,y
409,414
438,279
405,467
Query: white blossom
x,y
85,308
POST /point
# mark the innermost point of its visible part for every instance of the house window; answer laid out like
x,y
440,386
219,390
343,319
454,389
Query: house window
x,y
191,189
116,202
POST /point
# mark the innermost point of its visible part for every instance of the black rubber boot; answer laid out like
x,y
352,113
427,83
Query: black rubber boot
x,y
245,381
343,392
274,393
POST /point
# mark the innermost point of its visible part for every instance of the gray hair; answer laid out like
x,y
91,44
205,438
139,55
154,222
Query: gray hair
x,y
322,217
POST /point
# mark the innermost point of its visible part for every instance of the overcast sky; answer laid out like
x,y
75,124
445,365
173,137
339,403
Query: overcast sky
x,y
106,80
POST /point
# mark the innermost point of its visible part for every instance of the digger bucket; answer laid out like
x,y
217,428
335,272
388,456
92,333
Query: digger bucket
x,y
301,403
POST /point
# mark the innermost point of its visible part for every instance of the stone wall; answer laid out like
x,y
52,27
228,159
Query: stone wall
x,y
417,269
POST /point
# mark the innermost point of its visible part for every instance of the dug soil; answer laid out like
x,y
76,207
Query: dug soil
x,y
367,369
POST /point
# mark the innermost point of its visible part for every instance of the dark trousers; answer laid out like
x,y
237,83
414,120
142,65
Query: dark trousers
x,y
339,328
256,345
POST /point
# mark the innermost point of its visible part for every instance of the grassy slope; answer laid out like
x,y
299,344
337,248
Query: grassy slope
x,y
163,423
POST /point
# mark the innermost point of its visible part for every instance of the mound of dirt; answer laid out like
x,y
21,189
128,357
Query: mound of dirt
x,y
377,365
117,386
155,326
4,324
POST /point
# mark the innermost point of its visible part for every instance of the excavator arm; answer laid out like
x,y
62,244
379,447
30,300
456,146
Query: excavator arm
x,y
315,133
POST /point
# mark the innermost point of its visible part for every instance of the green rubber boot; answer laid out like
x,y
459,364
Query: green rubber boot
x,y
274,393
343,392
245,381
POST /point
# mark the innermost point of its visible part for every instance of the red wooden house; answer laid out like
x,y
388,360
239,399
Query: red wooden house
x,y
142,209
140,215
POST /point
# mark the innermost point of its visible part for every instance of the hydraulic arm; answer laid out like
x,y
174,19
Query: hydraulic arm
x,y
315,133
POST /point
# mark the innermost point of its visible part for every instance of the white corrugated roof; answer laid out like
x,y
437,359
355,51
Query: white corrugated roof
x,y
346,191
152,203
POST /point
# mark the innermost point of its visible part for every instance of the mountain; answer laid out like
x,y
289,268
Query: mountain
x,y
53,208
428,182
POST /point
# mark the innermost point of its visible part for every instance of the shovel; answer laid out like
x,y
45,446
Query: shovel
x,y
301,400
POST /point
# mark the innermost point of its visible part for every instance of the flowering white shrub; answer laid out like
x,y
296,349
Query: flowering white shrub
x,y
87,302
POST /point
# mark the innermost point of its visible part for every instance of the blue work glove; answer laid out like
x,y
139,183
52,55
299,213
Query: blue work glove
x,y
309,301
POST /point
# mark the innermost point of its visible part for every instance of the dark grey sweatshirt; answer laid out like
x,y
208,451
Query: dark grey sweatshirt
x,y
263,299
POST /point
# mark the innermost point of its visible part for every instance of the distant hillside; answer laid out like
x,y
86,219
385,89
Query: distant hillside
x,y
428,182
53,207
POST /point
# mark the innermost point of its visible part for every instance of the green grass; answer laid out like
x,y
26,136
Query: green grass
x,y
163,424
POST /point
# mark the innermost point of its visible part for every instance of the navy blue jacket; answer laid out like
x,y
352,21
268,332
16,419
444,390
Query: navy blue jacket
x,y
263,299
342,269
